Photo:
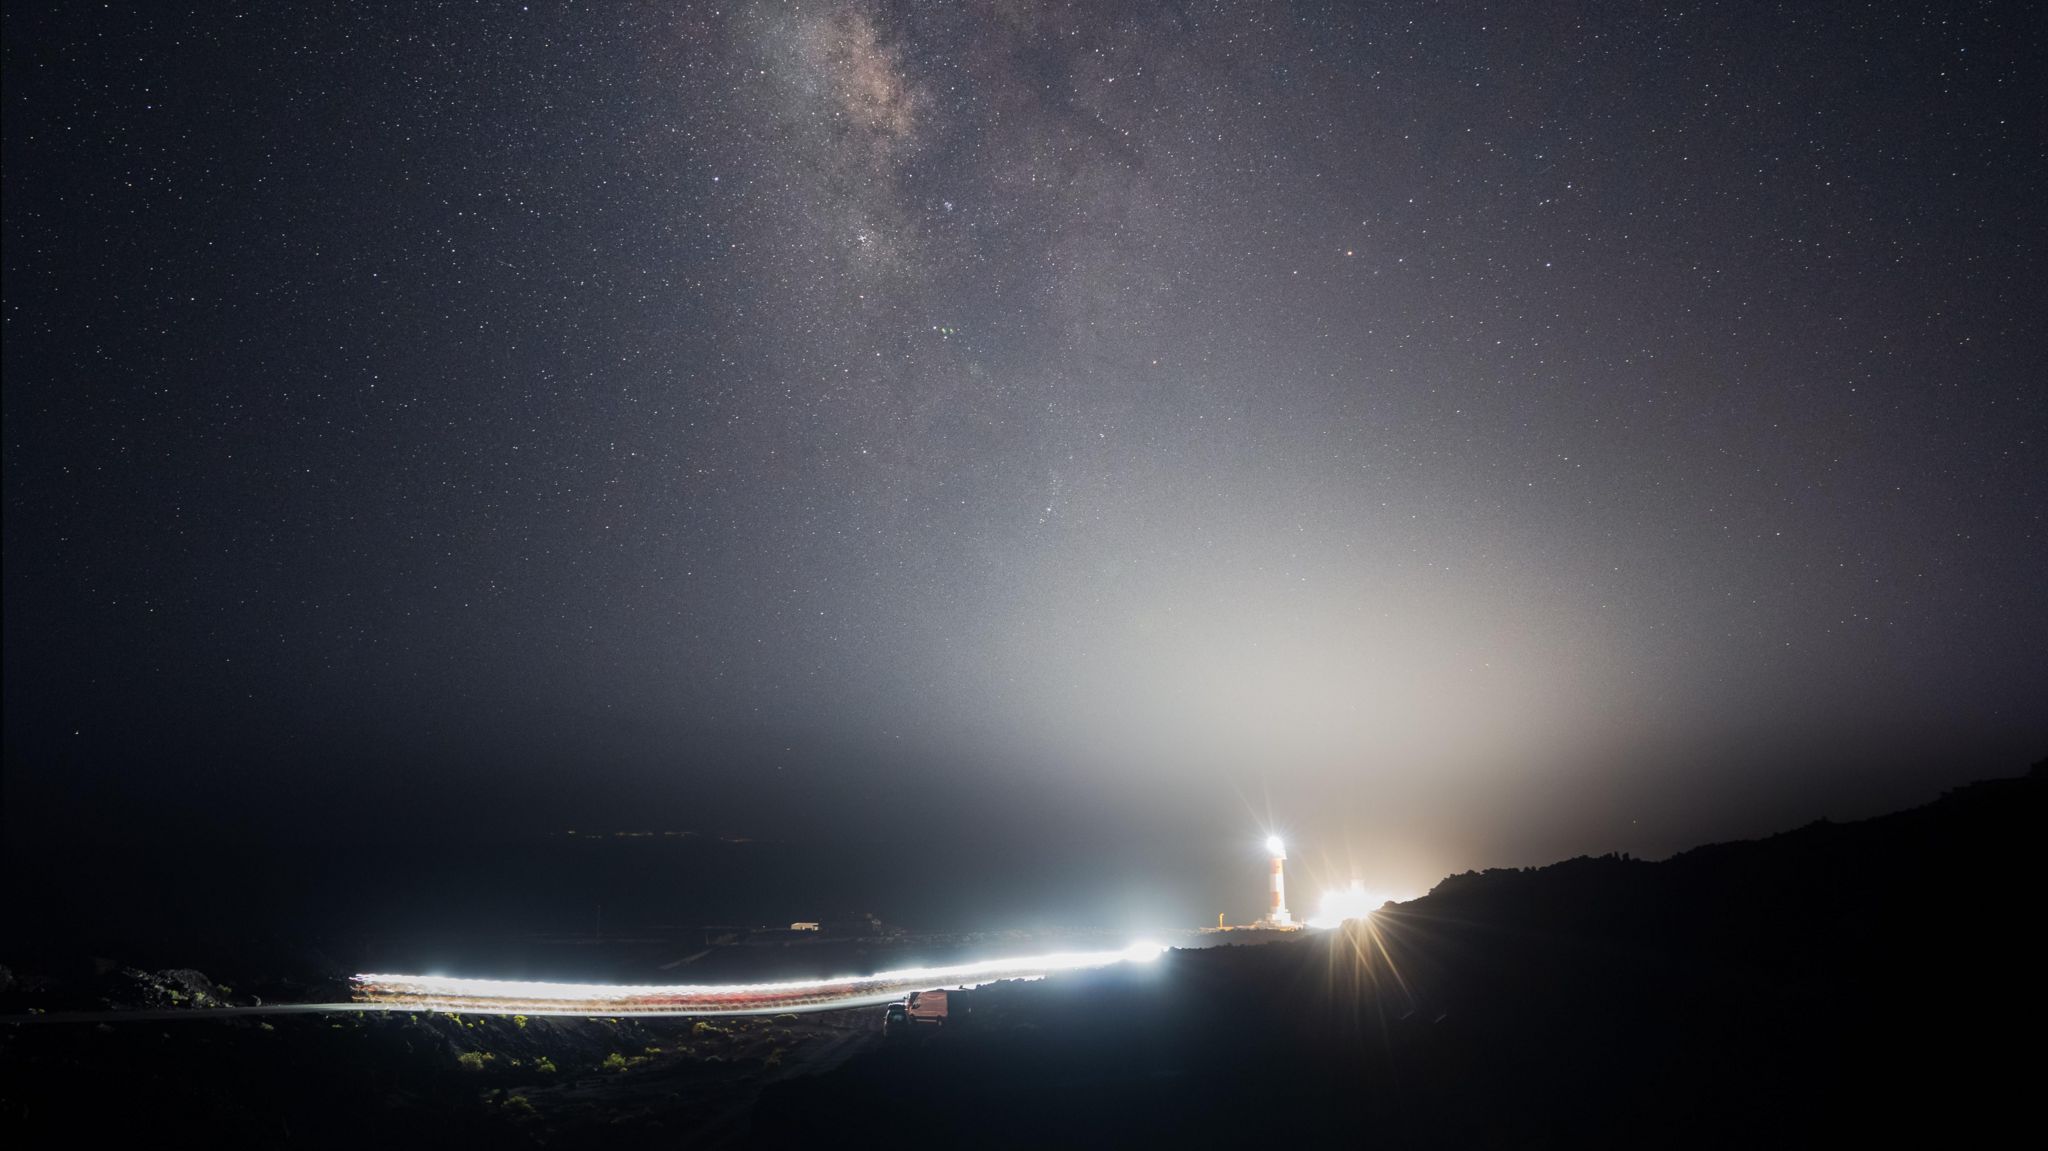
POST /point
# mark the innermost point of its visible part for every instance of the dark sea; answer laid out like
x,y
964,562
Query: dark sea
x,y
601,907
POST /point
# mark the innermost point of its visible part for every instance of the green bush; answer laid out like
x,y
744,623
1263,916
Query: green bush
x,y
613,1062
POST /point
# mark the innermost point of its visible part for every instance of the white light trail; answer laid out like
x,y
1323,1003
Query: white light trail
x,y
439,992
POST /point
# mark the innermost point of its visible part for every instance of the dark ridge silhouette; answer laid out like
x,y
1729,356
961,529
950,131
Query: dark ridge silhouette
x,y
1864,980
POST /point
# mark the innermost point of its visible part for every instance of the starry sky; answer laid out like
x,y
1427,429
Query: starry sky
x,y
1452,435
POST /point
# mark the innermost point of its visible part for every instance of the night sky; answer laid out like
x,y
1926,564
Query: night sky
x,y
1449,435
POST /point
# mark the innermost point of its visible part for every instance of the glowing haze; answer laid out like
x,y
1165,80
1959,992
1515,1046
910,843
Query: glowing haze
x,y
1458,436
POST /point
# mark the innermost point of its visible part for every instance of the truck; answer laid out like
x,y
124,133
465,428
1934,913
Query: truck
x,y
927,1006
919,1007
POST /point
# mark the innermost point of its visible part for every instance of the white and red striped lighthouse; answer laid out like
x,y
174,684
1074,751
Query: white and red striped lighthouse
x,y
1276,909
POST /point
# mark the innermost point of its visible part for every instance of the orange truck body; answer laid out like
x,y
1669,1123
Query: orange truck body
x,y
928,1006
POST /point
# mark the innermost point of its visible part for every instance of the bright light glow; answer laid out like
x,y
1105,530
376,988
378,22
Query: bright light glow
x,y
1352,902
437,992
1274,846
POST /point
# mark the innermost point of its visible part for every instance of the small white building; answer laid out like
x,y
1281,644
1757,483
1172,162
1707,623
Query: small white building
x,y
805,926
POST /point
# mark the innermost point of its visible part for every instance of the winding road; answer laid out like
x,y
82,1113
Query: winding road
x,y
385,992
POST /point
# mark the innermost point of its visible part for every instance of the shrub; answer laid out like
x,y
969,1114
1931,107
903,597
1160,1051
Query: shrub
x,y
613,1062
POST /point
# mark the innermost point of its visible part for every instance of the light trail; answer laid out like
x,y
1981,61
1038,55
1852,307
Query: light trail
x,y
527,997
1353,902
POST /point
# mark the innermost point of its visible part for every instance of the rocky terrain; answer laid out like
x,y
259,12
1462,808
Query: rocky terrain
x,y
1869,980
353,1078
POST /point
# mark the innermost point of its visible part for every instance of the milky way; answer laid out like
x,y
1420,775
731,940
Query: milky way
x,y
1466,435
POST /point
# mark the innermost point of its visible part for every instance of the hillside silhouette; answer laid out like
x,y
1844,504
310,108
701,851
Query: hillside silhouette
x,y
1874,980
1856,980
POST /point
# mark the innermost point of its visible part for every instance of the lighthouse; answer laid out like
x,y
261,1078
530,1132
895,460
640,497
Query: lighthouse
x,y
1276,908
